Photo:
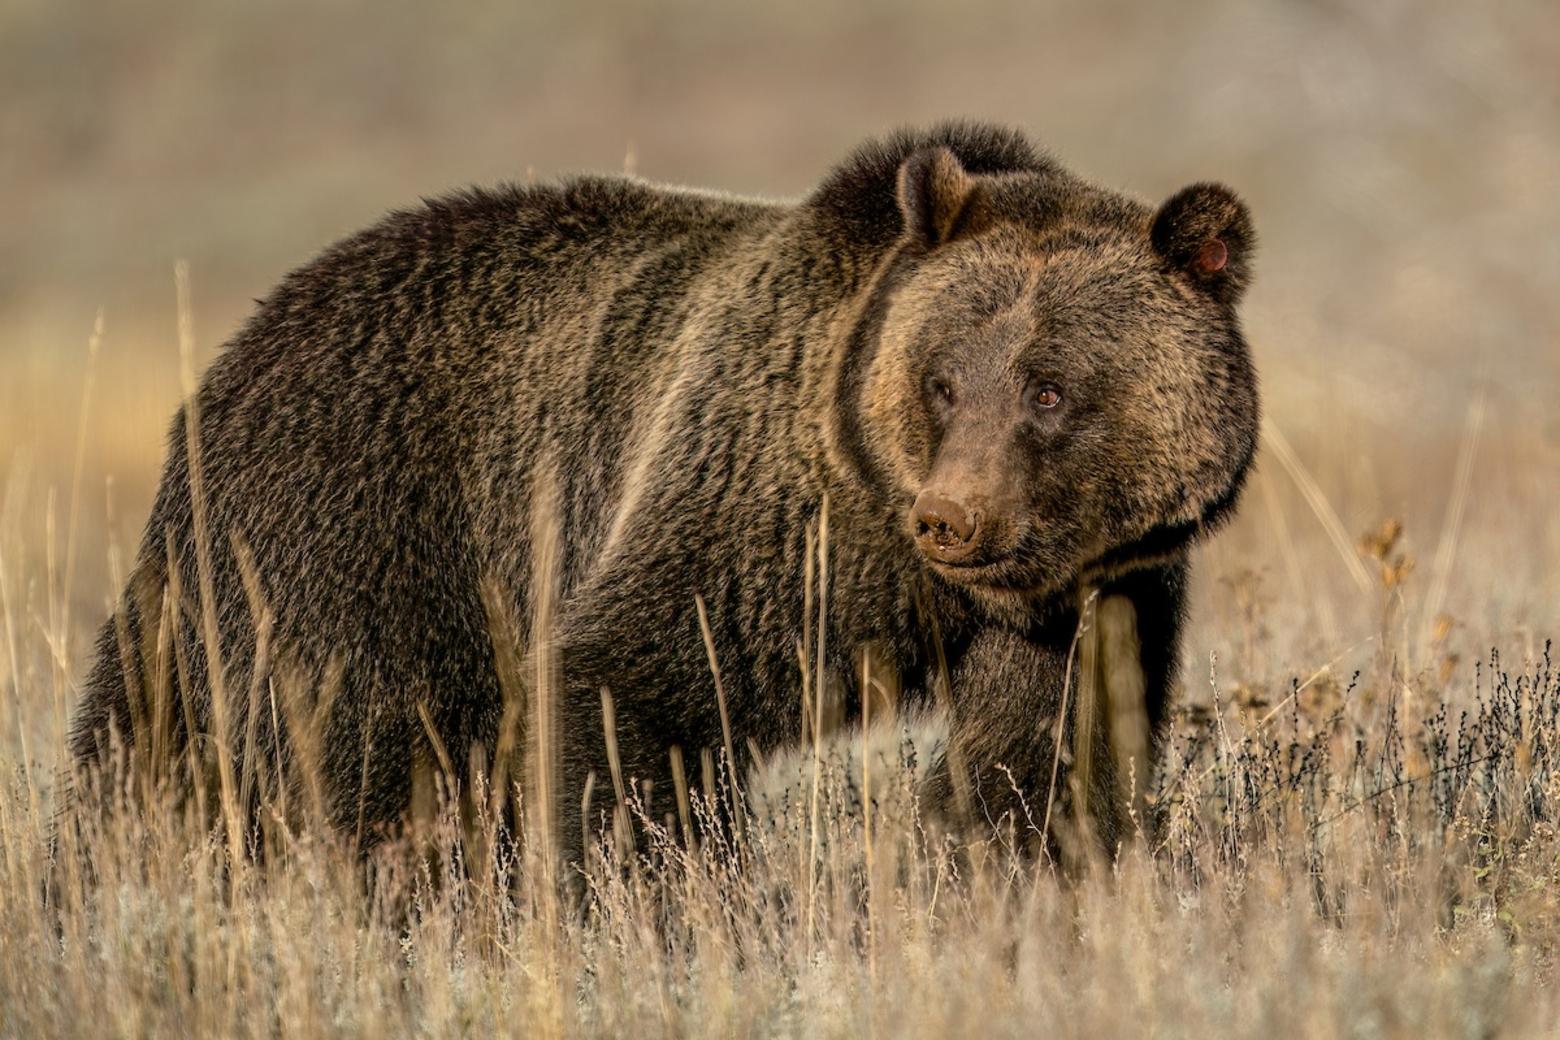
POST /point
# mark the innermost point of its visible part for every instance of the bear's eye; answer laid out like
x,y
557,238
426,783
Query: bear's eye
x,y
939,391
1045,396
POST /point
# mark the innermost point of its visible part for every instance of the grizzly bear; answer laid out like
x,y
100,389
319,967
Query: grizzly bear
x,y
564,420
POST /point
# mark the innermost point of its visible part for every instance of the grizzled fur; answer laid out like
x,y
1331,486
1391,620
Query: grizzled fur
x,y
691,374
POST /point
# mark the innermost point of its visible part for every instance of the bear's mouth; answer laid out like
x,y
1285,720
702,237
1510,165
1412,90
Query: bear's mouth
x,y
990,573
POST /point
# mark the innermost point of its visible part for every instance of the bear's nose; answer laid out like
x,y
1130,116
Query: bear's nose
x,y
944,529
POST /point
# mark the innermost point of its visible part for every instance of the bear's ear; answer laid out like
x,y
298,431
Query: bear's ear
x,y
1205,231
934,192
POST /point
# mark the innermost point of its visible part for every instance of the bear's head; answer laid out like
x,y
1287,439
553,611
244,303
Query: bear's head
x,y
1057,386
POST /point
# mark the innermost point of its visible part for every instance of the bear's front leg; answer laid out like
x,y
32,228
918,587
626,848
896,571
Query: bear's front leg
x,y
1029,744
1101,689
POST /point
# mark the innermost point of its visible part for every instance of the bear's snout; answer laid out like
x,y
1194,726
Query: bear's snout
x,y
944,529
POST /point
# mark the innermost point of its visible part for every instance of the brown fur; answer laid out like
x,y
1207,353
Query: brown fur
x,y
697,373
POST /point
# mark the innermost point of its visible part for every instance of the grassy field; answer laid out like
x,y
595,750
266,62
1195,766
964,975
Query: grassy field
x,y
1354,832
1356,843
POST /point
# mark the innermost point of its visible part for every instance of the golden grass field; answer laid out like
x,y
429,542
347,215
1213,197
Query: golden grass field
x,y
1354,832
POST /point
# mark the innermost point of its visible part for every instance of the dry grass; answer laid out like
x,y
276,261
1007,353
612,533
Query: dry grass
x,y
1348,837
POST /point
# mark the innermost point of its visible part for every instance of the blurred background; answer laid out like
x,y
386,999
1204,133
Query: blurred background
x,y
1402,160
